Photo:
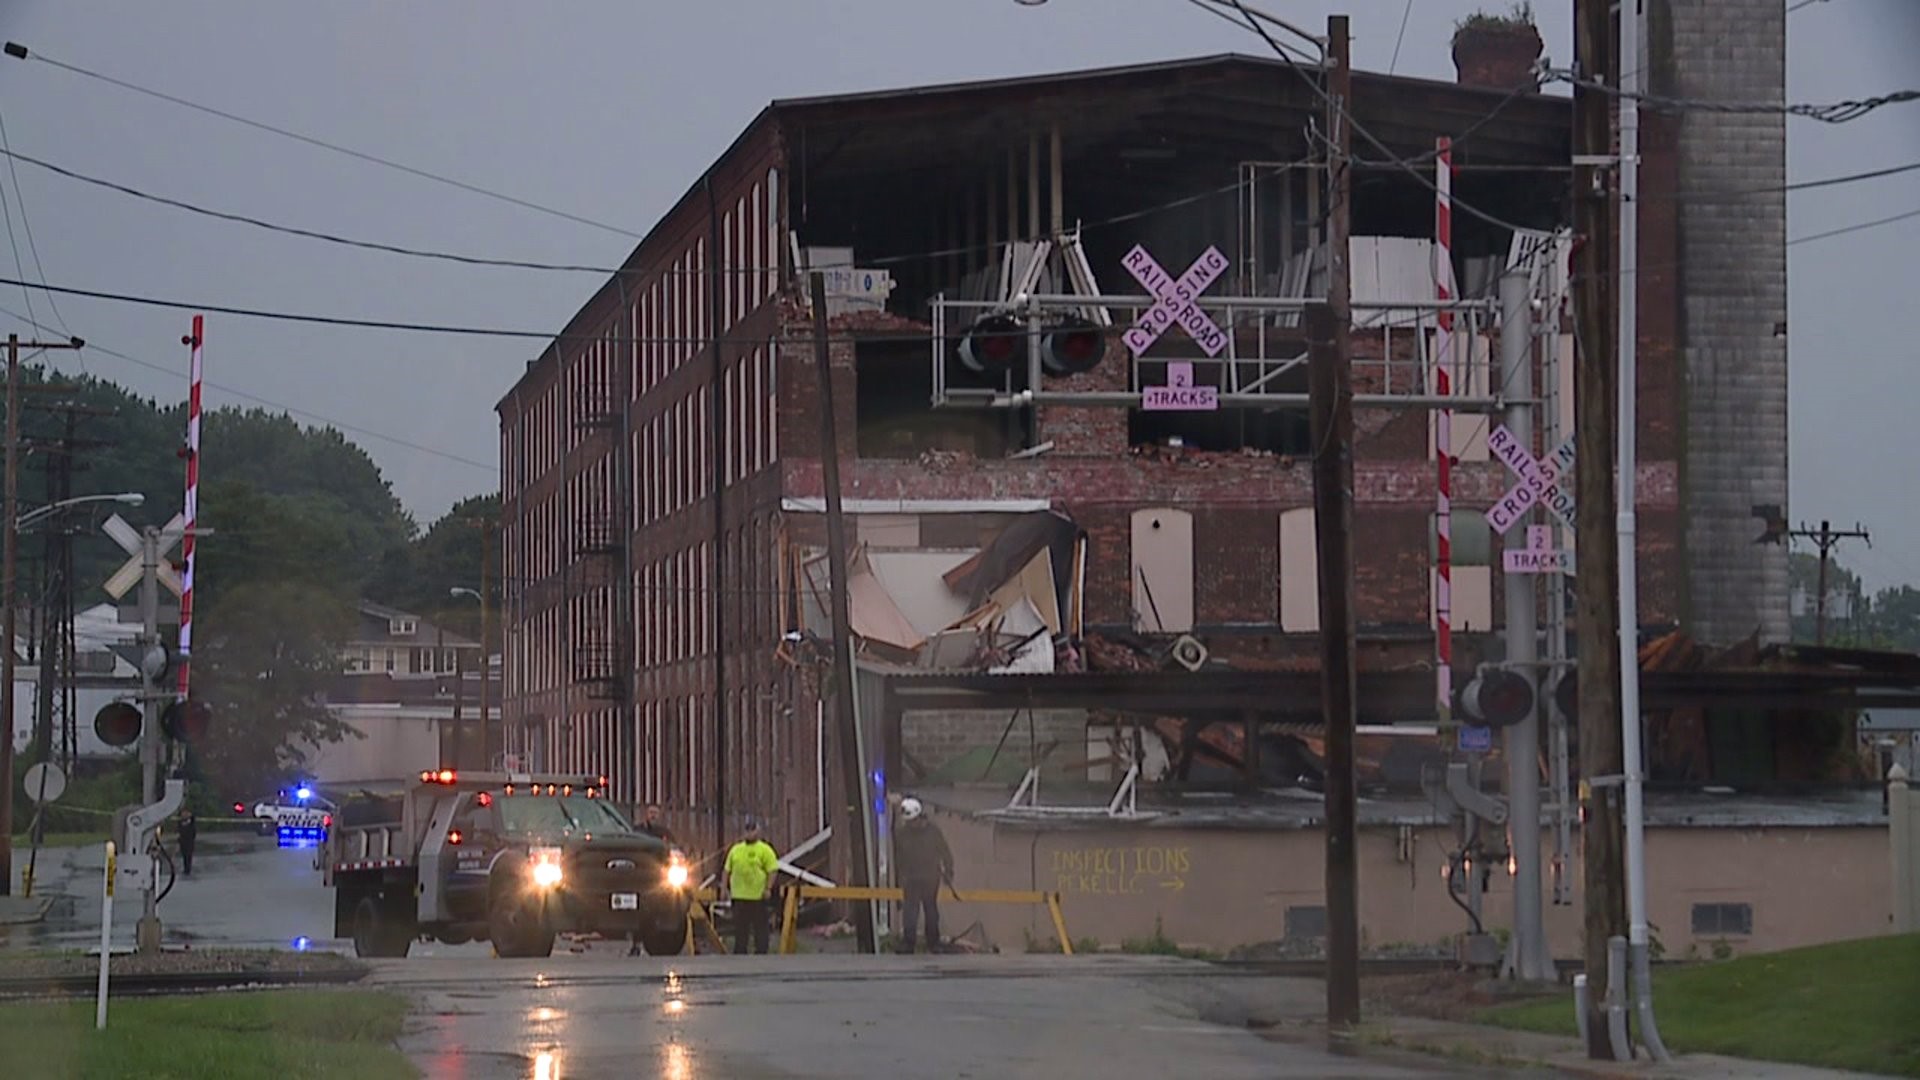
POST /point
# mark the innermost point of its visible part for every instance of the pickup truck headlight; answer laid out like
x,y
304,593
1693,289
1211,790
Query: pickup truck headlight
x,y
546,866
677,873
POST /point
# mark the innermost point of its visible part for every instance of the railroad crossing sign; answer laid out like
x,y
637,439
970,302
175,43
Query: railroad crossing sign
x,y
1539,556
1540,480
1179,395
130,571
1174,301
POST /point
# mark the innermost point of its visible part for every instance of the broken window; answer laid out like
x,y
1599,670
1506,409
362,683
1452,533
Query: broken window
x,y
1162,571
895,417
1299,573
1471,574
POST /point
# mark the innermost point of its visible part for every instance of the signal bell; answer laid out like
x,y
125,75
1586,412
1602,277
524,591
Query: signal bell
x,y
1498,697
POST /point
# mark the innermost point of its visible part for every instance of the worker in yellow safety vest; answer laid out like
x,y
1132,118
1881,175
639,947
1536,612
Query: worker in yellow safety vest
x,y
751,864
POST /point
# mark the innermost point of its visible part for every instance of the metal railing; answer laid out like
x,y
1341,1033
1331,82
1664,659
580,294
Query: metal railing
x,y
1393,355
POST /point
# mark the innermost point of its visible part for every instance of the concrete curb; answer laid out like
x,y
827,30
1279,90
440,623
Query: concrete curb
x,y
22,910
1503,1046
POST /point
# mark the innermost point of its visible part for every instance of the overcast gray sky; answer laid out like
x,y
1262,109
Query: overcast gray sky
x,y
610,109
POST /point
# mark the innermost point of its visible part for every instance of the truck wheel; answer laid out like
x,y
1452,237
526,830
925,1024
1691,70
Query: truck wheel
x,y
518,929
377,934
665,942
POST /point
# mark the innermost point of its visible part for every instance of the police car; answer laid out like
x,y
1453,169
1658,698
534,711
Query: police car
x,y
299,817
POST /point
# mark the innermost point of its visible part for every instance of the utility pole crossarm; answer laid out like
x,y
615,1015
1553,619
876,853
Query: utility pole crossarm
x,y
1826,538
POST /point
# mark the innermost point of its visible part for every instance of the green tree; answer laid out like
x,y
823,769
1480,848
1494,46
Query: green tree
x,y
303,524
263,668
449,555
1896,617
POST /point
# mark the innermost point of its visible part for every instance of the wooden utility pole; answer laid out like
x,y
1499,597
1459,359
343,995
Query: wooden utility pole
x,y
1825,537
1596,603
846,723
1330,390
10,630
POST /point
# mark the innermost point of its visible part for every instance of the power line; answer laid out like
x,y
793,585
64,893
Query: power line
x,y
1838,112
33,317
1853,228
1405,15
697,341
27,227
282,406
311,234
1344,112
21,52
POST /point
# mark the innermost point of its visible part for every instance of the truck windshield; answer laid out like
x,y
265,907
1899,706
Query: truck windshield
x,y
560,815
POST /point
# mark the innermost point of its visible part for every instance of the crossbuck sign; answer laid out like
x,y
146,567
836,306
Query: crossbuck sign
x,y
1174,301
130,571
1540,481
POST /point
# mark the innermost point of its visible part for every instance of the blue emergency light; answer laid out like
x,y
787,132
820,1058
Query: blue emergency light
x,y
301,836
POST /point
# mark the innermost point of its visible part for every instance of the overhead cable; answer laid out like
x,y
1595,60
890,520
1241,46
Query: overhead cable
x,y
95,346
18,51
1837,112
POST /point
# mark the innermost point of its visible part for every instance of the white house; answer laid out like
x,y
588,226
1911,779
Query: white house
x,y
101,676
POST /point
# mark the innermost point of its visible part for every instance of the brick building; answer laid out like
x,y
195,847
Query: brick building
x,y
669,636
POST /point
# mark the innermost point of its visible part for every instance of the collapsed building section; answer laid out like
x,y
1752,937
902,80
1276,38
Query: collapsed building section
x,y
1015,510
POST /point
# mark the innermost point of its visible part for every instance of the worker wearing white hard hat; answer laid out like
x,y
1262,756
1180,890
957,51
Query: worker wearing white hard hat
x,y
922,861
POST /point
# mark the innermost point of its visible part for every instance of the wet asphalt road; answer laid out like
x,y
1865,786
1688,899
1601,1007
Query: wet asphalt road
x,y
599,1013
244,893
999,1017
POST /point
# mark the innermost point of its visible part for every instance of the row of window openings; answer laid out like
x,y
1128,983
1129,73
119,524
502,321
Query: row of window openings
x,y
414,661
665,326
664,490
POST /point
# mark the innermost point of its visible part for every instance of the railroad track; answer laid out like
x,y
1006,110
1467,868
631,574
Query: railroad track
x,y
190,982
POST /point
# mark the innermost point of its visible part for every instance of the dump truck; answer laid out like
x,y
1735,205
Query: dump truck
x,y
511,858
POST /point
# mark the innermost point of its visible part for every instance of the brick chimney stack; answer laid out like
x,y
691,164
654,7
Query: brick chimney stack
x,y
1497,51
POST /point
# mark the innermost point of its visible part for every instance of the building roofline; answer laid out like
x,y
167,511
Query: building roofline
x,y
779,109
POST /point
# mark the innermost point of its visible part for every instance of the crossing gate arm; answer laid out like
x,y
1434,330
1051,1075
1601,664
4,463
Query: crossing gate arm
x,y
794,894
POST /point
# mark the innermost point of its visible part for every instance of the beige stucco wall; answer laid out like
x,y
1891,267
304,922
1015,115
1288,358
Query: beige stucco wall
x,y
1218,888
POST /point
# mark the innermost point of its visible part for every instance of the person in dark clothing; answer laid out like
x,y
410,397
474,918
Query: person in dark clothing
x,y
921,861
189,834
653,824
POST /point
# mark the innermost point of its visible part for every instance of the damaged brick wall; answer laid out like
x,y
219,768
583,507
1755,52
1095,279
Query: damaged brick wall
x,y
938,738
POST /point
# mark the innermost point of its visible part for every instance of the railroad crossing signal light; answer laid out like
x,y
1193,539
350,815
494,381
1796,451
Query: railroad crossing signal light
x,y
1566,694
1498,697
1072,346
187,720
993,344
117,723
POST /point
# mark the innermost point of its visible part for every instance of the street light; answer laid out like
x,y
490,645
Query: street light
x,y
31,517
486,664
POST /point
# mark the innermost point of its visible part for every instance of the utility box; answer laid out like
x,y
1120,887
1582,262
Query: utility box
x,y
1479,951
